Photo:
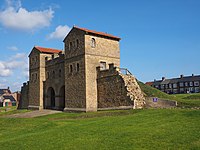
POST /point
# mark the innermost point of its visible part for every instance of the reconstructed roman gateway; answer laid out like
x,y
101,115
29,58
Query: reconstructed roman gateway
x,y
86,76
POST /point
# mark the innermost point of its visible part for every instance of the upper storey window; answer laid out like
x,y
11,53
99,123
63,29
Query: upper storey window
x,y
93,43
77,43
70,45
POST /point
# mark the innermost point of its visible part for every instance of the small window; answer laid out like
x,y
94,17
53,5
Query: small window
x,y
53,74
102,65
181,84
196,83
32,78
93,43
70,69
70,45
174,85
77,43
36,76
47,75
77,67
60,73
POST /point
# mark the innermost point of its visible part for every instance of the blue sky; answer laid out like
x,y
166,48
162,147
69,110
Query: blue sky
x,y
159,38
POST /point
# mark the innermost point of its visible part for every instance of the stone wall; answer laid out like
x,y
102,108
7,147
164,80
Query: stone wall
x,y
159,103
111,89
24,99
117,90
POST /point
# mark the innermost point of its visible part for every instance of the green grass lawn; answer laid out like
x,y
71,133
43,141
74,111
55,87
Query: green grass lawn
x,y
127,129
184,100
10,110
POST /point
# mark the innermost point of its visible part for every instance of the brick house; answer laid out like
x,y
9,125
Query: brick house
x,y
183,84
6,98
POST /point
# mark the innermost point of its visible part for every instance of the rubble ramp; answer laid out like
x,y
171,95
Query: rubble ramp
x,y
133,89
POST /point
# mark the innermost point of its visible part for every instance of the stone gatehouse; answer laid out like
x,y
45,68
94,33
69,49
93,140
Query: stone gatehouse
x,y
86,76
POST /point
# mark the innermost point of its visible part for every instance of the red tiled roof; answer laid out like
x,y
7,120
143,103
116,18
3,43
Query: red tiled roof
x,y
98,33
47,50
149,83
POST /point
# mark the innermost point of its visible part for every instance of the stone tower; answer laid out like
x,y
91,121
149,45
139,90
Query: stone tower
x,y
37,75
84,51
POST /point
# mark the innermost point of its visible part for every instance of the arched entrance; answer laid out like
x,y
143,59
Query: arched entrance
x,y
62,98
50,99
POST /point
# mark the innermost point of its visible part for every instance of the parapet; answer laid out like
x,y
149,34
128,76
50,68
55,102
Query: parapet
x,y
54,59
112,70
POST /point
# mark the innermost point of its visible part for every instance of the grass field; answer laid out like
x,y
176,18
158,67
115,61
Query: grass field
x,y
122,129
127,129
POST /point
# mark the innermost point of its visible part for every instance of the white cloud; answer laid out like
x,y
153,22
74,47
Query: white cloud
x,y
19,56
17,61
15,64
59,33
12,48
17,17
4,71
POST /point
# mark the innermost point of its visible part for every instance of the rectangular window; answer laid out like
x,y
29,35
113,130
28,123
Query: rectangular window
x,y
47,75
166,86
170,86
181,84
102,65
191,83
175,91
196,83
174,85
197,90
77,67
186,84
182,90
70,69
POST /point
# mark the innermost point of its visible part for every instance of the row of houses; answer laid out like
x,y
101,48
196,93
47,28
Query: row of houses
x,y
183,84
7,98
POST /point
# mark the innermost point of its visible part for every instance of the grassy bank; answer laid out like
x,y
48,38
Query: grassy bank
x,y
129,129
184,100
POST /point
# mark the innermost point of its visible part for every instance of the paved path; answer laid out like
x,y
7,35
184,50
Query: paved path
x,y
33,114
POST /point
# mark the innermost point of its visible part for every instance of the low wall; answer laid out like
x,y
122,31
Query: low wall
x,y
154,102
23,101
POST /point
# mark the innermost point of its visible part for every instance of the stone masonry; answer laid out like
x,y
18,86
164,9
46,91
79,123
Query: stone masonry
x,y
86,76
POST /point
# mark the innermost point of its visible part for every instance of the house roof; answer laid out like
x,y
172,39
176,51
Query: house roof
x,y
10,97
149,83
87,31
98,33
177,80
47,50
4,91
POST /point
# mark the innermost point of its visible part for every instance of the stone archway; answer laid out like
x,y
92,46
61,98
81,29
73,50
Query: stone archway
x,y
50,99
62,98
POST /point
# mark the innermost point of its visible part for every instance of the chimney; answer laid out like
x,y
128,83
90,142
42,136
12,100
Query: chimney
x,y
163,78
8,88
192,75
154,80
181,76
